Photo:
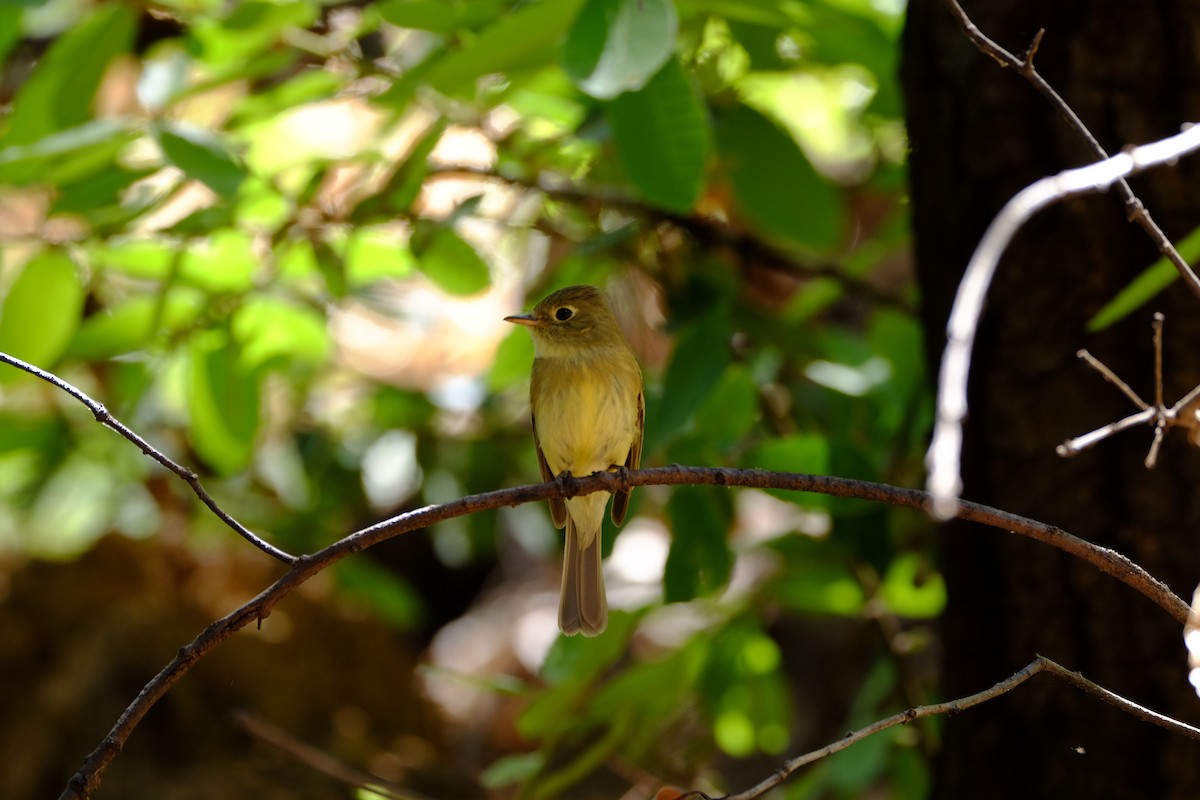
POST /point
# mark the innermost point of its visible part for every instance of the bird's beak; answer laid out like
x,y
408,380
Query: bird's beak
x,y
528,320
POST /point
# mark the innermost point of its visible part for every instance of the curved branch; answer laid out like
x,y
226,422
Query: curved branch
x,y
87,779
1134,206
945,482
105,418
1039,664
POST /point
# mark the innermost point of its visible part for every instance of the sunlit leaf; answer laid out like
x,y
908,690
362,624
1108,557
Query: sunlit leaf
x,y
223,403
1158,276
223,262
58,95
512,769
801,452
663,138
514,41
449,261
203,157
376,253
615,46
427,15
269,328
912,588
67,155
40,313
773,182
130,324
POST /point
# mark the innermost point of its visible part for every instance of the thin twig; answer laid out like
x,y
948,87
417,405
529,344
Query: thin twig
x,y
707,232
1134,207
105,418
88,778
1077,445
1039,664
945,482
1113,378
317,759
1180,415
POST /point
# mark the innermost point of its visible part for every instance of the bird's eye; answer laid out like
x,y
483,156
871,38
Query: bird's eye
x,y
563,313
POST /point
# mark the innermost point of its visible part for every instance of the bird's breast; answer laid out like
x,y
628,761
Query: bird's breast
x,y
586,413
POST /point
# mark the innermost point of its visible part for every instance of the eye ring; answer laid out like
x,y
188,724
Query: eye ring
x,y
564,313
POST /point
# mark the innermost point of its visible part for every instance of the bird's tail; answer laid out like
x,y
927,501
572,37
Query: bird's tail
x,y
582,607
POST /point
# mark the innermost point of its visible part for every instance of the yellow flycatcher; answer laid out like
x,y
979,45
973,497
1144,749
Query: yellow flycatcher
x,y
588,414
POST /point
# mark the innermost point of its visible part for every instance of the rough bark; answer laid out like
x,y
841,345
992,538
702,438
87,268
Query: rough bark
x,y
979,133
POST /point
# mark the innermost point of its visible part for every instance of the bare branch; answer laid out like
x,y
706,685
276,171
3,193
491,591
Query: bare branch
x,y
706,231
316,759
189,477
85,781
1134,207
1039,664
1180,415
1112,378
944,482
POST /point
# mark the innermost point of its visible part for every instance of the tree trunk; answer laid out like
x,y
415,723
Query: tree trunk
x,y
980,133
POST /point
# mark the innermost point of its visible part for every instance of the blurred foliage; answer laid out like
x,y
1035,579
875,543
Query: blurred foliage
x,y
278,238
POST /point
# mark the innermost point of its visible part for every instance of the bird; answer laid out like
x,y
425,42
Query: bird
x,y
588,412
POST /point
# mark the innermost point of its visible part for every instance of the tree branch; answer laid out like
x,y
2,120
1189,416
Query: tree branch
x,y
707,232
944,482
105,418
1133,205
88,778
1039,664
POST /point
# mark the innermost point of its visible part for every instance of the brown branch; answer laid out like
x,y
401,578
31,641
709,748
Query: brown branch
x,y
315,758
1039,664
1134,207
1162,417
105,418
705,231
88,778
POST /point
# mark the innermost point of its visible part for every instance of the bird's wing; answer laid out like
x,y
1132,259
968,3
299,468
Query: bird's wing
x,y
632,461
558,506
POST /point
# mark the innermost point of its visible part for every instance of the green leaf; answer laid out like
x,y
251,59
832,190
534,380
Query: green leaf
x,y
67,155
223,403
512,361
374,253
128,325
100,190
41,311
202,157
383,590
730,410
912,588
59,93
251,29
516,40
269,328
663,138
449,261
437,16
700,357
147,258
615,46
773,182
699,561
1154,279
512,769
222,263
10,28
802,452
